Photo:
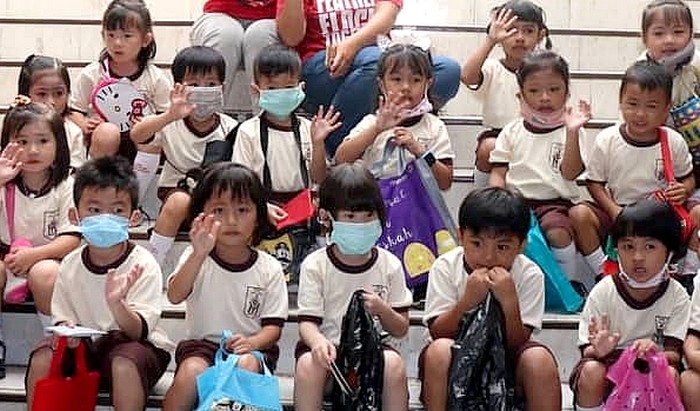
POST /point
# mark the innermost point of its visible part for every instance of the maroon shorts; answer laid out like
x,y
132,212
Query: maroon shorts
x,y
553,214
150,361
206,350
512,362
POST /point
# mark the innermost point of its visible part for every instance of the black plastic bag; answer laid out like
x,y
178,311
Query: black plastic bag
x,y
479,378
360,360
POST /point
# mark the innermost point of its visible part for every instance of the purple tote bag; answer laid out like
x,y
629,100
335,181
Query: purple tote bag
x,y
419,226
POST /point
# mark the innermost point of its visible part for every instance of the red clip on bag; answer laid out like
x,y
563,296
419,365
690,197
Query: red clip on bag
x,y
687,224
77,392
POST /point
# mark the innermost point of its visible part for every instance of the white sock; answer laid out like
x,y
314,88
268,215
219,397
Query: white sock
x,y
45,320
691,263
160,245
145,167
595,260
596,408
481,178
566,258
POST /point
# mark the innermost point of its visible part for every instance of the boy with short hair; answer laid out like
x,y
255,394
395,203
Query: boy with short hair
x,y
187,130
112,285
493,226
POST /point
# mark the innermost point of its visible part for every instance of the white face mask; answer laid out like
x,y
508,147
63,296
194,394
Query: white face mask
x,y
208,100
652,282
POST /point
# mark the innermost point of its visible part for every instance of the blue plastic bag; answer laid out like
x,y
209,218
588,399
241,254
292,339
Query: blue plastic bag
x,y
227,387
559,295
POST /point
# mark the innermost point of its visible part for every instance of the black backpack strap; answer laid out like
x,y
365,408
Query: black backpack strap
x,y
264,143
220,150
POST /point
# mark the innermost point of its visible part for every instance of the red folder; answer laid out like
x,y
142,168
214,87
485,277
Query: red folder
x,y
299,210
77,392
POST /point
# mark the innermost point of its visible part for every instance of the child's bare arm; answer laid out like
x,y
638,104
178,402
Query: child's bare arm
x,y
394,322
691,350
179,108
322,350
497,178
601,196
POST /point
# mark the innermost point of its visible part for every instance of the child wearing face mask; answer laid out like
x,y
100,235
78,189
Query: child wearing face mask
x,y
192,122
539,154
640,306
404,118
286,151
352,208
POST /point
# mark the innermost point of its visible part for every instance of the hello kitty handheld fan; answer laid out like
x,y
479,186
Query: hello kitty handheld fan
x,y
118,101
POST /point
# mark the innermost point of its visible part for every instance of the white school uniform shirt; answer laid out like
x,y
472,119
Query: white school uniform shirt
x,y
533,160
429,131
241,298
39,218
497,93
632,171
282,153
184,147
448,279
326,286
79,295
666,312
76,144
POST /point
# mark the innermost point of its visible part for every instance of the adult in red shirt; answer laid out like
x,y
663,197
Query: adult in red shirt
x,y
345,75
238,29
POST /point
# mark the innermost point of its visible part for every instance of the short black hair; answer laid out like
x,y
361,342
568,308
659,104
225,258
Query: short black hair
x,y
198,60
274,60
34,64
25,113
500,210
526,11
649,218
351,187
649,76
541,60
240,182
107,172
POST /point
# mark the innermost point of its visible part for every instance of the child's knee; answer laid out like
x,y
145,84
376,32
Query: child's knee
x,y
592,376
559,237
190,368
105,140
177,206
124,369
483,152
438,355
538,364
249,362
306,368
394,367
40,362
689,383
582,215
43,274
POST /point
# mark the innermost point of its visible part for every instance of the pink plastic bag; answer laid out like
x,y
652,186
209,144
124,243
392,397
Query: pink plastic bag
x,y
642,384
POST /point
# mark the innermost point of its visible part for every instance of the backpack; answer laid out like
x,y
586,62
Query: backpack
x,y
360,360
479,377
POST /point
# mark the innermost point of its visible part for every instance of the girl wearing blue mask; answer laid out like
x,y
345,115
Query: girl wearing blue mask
x,y
36,193
352,209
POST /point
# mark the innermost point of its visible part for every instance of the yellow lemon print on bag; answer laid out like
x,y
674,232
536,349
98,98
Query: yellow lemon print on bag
x,y
444,241
417,258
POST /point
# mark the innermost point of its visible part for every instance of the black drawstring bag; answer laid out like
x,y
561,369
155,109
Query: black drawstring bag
x,y
479,378
360,361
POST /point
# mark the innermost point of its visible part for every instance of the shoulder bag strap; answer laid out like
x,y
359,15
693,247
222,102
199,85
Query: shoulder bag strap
x,y
666,156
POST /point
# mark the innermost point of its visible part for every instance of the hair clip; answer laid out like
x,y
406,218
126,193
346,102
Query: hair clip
x,y
405,37
21,100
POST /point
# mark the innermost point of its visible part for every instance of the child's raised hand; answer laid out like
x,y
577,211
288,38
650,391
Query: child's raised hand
x,y
238,344
676,193
404,138
389,112
180,107
600,338
324,124
477,286
323,352
374,304
203,233
502,284
644,346
10,165
118,285
501,26
577,117
340,56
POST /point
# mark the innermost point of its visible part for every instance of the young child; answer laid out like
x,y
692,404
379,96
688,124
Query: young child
x,y
127,33
45,80
493,225
612,179
639,307
109,284
183,132
229,210
35,179
352,207
530,152
519,27
404,117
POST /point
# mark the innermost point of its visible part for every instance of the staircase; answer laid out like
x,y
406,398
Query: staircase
x,y
599,38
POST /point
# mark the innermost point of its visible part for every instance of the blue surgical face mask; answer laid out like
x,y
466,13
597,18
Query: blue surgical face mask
x,y
281,102
104,230
355,238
